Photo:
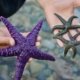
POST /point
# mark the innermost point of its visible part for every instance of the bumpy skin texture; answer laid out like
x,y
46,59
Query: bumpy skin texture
x,y
24,48
67,25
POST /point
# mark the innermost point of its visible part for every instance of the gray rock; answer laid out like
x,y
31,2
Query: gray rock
x,y
48,44
36,67
62,69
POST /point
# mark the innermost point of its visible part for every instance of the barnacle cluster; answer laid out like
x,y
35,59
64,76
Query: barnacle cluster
x,y
65,28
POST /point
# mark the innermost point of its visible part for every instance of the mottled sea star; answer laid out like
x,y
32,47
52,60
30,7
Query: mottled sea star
x,y
24,48
65,28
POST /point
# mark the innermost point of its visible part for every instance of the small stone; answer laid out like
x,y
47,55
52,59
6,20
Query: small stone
x,y
50,78
47,72
62,68
36,67
48,43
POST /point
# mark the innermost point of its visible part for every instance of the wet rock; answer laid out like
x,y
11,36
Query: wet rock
x,y
48,44
36,67
62,69
50,78
44,74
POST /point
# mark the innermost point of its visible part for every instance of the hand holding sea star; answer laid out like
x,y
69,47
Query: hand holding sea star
x,y
24,48
67,25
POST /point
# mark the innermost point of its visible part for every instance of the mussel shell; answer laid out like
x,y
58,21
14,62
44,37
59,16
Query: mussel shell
x,y
9,7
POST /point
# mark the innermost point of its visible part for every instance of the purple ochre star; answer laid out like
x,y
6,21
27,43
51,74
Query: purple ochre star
x,y
24,48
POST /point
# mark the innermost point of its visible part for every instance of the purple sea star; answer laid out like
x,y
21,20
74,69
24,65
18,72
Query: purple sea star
x,y
24,48
65,28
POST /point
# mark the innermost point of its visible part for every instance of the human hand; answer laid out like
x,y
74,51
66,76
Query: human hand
x,y
64,8
6,40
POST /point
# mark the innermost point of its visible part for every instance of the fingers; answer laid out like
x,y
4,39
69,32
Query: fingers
x,y
11,41
4,32
6,41
38,44
66,36
60,43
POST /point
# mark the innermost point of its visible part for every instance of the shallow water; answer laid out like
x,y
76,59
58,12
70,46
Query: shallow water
x,y
62,69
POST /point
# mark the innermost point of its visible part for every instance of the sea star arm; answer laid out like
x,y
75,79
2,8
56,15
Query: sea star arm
x,y
10,51
74,27
77,26
66,24
32,37
20,65
58,27
37,54
66,49
61,19
62,32
71,37
77,43
14,33
70,20
62,39
74,51
61,28
72,47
